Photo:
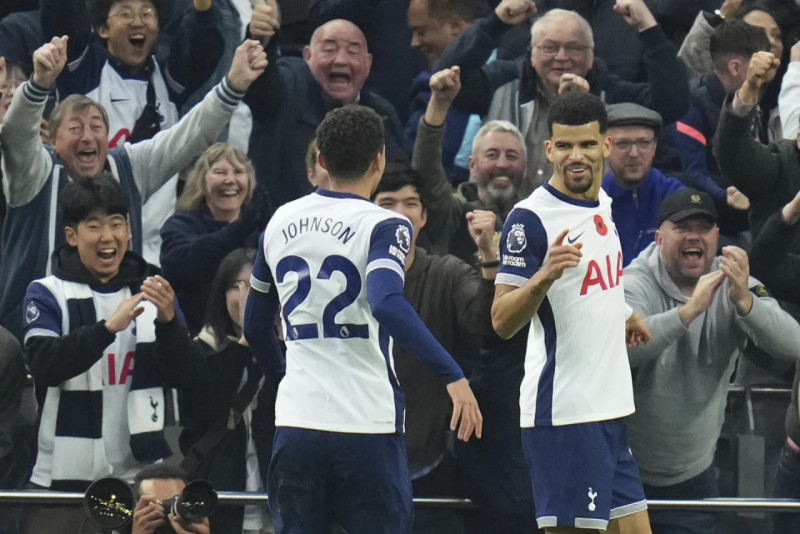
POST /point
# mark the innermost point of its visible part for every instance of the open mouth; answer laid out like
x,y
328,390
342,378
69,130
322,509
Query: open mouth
x,y
578,171
339,78
87,156
693,254
230,193
137,40
107,255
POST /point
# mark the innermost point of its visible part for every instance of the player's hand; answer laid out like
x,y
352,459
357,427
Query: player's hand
x,y
148,515
636,13
249,61
264,23
157,290
515,11
127,310
465,407
736,199
185,527
49,60
636,331
481,225
572,82
561,257
762,69
735,265
791,211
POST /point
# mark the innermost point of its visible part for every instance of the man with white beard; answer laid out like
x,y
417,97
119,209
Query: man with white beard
x,y
497,167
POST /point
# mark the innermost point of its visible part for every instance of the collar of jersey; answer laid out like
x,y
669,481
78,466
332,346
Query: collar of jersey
x,y
338,194
574,201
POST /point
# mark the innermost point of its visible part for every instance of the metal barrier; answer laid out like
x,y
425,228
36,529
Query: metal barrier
x,y
727,504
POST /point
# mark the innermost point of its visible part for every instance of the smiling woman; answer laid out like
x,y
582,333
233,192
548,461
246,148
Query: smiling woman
x,y
217,213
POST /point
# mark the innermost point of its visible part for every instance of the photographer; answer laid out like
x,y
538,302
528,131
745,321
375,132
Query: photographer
x,y
154,484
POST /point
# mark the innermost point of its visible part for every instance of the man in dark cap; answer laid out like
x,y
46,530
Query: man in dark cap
x,y
688,295
636,188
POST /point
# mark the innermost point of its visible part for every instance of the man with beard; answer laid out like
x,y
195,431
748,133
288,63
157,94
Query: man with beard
x,y
561,273
701,310
496,165
635,187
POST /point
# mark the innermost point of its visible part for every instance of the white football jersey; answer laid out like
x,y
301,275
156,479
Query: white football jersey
x,y
339,368
576,364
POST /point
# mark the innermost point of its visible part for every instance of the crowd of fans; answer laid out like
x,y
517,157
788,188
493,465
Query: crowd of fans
x,y
144,145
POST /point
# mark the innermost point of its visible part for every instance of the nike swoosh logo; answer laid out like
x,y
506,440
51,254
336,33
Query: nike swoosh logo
x,y
119,100
571,240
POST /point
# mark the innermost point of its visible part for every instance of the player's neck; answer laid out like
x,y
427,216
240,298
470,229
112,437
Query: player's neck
x,y
592,194
359,187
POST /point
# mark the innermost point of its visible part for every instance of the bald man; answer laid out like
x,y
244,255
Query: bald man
x,y
292,97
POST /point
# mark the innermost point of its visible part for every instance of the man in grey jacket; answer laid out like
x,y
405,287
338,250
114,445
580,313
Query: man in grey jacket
x,y
701,309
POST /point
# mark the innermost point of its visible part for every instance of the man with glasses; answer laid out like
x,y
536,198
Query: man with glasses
x,y
561,59
636,188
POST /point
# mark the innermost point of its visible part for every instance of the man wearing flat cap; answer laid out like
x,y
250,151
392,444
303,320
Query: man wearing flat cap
x,y
701,309
635,187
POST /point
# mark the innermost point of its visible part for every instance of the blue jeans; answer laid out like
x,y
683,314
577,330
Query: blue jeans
x,y
702,486
787,485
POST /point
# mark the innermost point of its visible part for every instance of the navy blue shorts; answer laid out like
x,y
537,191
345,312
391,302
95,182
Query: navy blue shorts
x,y
583,475
360,481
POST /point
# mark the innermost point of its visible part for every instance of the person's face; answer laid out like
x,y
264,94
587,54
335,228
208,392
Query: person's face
x,y
405,201
577,154
688,248
130,31
764,20
430,35
338,59
161,488
562,48
498,166
227,186
631,154
81,141
235,299
102,241
318,175
14,78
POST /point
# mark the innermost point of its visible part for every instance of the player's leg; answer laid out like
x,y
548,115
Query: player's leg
x,y
569,531
636,523
628,503
371,488
572,469
297,482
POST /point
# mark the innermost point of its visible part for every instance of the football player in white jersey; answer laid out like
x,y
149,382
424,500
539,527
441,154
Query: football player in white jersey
x,y
561,272
335,262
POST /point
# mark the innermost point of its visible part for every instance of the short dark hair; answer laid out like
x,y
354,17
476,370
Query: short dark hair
x,y
734,37
442,9
98,11
397,175
217,316
159,471
349,138
81,198
576,108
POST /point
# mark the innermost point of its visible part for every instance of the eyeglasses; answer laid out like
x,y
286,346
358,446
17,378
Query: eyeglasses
x,y
127,16
572,50
627,144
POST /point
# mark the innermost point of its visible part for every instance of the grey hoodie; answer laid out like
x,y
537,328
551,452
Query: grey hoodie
x,y
680,377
